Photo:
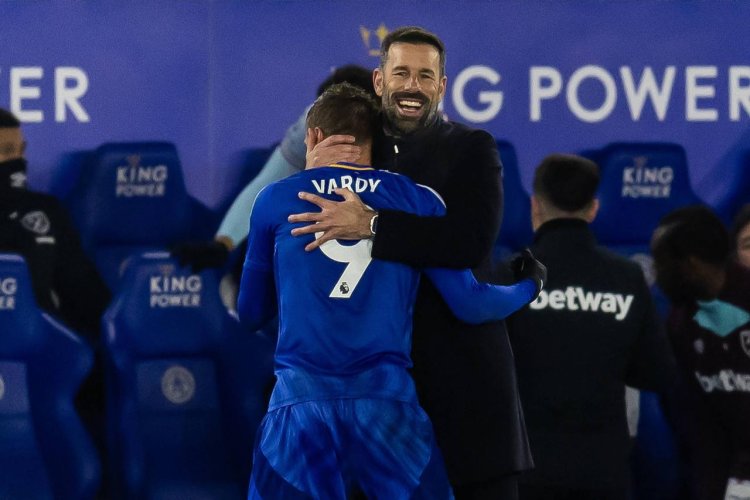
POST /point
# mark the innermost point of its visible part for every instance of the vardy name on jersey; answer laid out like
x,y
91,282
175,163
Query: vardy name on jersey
x,y
358,185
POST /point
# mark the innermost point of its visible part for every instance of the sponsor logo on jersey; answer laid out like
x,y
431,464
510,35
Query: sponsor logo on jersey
x,y
699,346
644,181
725,381
37,222
18,180
144,181
175,291
8,289
178,385
580,300
745,341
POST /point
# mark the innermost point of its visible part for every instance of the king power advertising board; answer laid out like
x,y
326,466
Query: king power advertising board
x,y
217,78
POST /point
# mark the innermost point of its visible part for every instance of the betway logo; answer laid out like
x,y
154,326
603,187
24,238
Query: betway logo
x,y
578,299
725,380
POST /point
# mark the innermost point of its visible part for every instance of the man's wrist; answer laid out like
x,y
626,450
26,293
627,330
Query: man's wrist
x,y
374,225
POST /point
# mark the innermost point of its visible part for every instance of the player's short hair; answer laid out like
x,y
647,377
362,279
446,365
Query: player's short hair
x,y
350,73
415,35
568,182
8,119
344,109
691,231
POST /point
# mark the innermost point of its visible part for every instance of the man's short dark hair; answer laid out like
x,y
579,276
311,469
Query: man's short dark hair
x,y
692,231
568,182
415,35
351,73
8,119
344,109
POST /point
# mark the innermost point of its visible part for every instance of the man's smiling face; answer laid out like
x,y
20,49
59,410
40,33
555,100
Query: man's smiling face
x,y
411,85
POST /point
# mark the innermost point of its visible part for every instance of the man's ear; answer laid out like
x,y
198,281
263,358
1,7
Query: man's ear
x,y
377,81
592,210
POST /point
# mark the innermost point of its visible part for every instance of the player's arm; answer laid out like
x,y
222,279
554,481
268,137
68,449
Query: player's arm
x,y
256,303
461,239
474,302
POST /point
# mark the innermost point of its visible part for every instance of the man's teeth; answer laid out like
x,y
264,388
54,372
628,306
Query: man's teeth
x,y
409,103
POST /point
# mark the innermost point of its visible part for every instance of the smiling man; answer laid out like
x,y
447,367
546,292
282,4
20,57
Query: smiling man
x,y
464,373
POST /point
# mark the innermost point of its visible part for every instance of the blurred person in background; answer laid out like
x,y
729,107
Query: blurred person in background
x,y
740,236
65,282
592,330
709,329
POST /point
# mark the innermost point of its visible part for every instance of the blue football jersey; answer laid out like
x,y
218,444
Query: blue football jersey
x,y
341,312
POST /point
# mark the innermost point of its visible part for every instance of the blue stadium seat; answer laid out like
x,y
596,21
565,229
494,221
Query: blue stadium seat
x,y
130,198
641,182
656,462
515,232
185,385
46,451
737,194
250,163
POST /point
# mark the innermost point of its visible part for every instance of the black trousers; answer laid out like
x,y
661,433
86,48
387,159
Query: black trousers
x,y
536,492
505,488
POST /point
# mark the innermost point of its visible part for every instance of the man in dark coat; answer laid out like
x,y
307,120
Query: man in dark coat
x,y
464,374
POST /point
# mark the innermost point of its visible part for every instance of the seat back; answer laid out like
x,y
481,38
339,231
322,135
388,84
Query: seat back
x,y
640,183
515,232
48,454
172,420
656,461
130,197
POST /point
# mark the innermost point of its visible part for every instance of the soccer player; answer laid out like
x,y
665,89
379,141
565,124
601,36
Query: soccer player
x,y
344,415
709,328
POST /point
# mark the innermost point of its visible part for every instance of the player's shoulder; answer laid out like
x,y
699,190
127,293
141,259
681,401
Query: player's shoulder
x,y
409,187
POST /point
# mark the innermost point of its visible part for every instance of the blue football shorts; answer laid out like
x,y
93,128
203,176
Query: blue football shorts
x,y
327,449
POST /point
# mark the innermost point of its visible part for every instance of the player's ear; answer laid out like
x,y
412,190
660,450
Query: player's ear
x,y
310,141
318,135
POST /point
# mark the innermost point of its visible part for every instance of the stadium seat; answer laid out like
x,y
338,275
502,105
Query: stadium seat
x,y
186,385
130,198
641,182
250,163
46,451
655,459
737,193
515,231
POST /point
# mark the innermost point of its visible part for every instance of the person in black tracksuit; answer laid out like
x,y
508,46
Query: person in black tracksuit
x,y
709,329
589,333
64,280
464,374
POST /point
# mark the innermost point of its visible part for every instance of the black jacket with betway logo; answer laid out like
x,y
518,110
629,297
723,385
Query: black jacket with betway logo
x,y
464,374
65,282
589,333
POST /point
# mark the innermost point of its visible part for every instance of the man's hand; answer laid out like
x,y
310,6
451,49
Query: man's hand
x,y
525,266
332,149
200,255
344,220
